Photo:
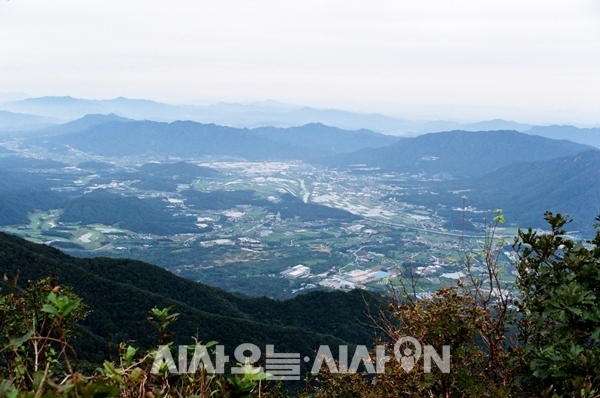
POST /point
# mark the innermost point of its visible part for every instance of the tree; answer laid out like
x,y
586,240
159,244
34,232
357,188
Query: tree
x,y
555,311
37,360
471,318
559,309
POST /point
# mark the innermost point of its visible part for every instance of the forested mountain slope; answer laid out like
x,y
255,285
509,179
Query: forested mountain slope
x,y
121,292
461,153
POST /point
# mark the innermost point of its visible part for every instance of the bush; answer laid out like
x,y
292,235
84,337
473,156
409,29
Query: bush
x,y
36,359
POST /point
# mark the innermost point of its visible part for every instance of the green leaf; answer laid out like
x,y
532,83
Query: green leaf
x,y
17,342
50,309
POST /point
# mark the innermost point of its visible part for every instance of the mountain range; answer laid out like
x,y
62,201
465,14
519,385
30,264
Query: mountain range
x,y
35,113
565,185
268,113
10,121
459,153
524,191
454,152
318,137
589,136
123,138
83,123
257,114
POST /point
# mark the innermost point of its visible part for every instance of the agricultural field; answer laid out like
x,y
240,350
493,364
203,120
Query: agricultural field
x,y
242,228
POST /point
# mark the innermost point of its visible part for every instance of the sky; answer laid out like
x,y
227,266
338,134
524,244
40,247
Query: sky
x,y
529,61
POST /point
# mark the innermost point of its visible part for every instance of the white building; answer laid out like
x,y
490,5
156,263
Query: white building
x,y
298,271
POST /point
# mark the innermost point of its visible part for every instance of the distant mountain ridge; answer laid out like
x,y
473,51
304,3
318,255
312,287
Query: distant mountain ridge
x,y
524,191
485,125
84,123
250,115
453,152
70,108
460,153
11,121
269,113
588,136
186,138
317,136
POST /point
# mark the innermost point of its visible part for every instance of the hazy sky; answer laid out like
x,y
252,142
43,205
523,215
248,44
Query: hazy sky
x,y
531,61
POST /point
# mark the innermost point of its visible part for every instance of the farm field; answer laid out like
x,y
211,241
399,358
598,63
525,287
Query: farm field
x,y
241,230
